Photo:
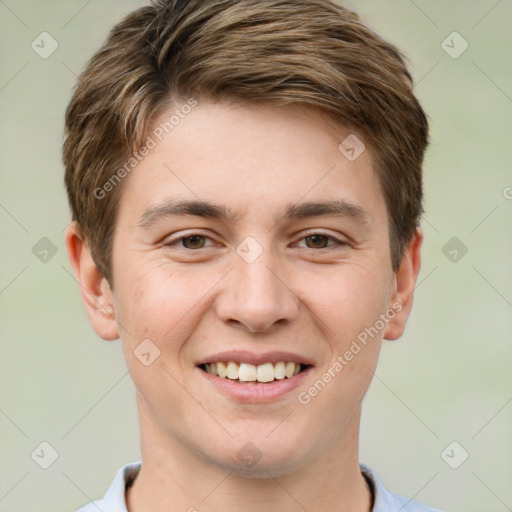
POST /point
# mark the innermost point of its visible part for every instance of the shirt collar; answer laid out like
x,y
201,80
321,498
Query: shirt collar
x,y
383,501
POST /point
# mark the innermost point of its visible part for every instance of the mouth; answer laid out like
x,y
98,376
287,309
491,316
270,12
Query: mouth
x,y
248,377
247,373
254,378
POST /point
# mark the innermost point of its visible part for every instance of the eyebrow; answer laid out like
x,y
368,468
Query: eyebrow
x,y
205,209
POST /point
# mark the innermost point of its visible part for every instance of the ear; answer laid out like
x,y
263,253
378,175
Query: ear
x,y
405,282
95,289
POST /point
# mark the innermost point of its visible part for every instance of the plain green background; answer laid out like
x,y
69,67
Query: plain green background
x,y
449,377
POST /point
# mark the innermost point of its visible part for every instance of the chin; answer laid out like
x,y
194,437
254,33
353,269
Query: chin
x,y
263,469
261,458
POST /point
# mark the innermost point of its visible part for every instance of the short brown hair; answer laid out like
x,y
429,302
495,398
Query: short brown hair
x,y
314,53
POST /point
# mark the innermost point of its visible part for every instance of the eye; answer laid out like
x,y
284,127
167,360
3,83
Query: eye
x,y
321,241
194,241
313,240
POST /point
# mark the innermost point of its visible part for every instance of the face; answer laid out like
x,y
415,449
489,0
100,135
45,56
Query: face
x,y
246,240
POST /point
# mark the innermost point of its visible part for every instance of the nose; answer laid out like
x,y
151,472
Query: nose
x,y
256,296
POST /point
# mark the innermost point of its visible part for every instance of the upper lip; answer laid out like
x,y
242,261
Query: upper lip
x,y
243,356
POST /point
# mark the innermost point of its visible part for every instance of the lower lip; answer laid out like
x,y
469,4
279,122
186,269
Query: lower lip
x,y
256,392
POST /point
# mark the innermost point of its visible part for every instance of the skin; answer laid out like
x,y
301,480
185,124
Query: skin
x,y
297,296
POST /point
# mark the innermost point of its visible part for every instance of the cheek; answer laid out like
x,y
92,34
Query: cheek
x,y
347,306
161,304
347,301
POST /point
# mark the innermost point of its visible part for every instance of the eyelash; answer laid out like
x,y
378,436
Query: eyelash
x,y
338,243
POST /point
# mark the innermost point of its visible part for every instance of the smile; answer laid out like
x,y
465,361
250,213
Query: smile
x,y
248,377
247,372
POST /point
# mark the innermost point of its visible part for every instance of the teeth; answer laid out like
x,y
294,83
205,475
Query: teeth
x,y
245,372
289,370
266,372
221,369
279,370
232,370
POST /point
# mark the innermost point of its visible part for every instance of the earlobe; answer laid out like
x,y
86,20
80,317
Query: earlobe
x,y
94,287
405,282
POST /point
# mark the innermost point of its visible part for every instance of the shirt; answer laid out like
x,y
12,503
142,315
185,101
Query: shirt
x,y
384,501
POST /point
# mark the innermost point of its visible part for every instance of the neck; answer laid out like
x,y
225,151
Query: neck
x,y
174,478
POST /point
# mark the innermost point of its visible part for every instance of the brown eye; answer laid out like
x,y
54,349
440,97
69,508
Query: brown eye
x,y
193,242
317,241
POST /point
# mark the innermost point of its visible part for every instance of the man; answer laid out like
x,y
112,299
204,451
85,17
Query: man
x,y
245,182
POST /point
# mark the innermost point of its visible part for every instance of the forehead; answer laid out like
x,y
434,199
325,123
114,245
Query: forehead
x,y
252,159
